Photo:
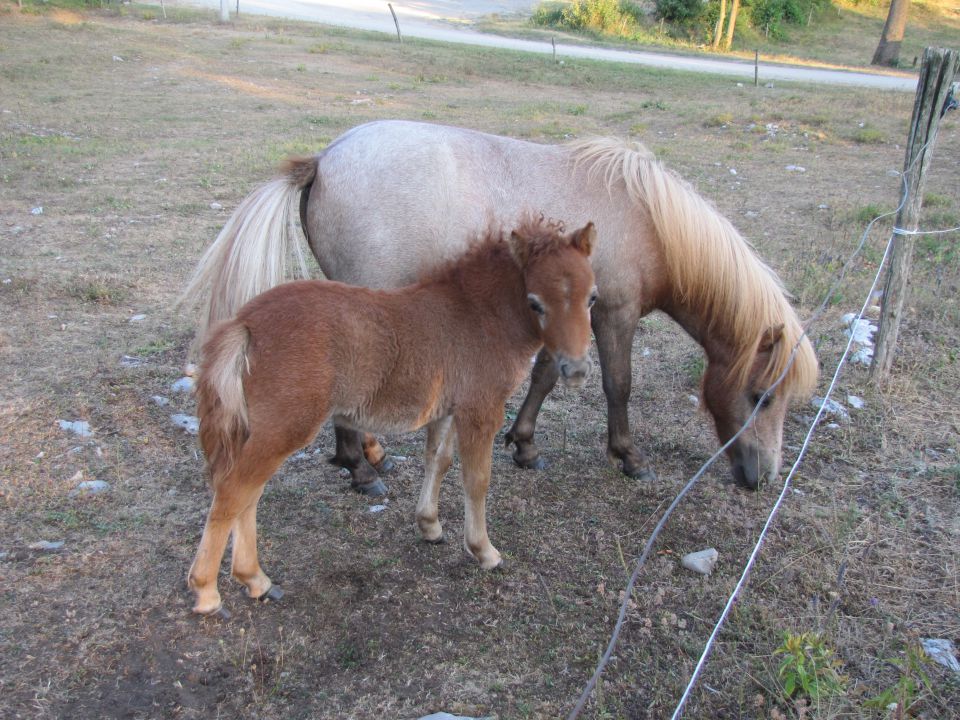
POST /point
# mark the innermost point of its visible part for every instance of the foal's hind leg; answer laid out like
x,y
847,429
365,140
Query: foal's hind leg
x,y
234,496
542,379
245,565
438,457
614,332
350,455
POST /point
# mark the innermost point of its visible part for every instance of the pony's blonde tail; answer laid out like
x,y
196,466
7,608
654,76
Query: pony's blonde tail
x,y
250,254
221,404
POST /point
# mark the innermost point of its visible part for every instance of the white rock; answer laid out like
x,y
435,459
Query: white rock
x,y
183,385
160,400
831,407
90,487
694,400
117,58
862,330
46,545
140,317
942,651
733,171
796,168
855,402
189,423
77,427
37,210
701,561
131,362
863,356
376,508
216,206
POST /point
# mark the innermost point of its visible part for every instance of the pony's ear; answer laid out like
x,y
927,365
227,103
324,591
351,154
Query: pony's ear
x,y
519,248
771,336
584,238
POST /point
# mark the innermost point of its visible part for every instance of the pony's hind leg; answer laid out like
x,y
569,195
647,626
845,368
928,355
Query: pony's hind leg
x,y
350,455
542,379
438,457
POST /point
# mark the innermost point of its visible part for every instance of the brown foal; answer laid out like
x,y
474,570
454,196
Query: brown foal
x,y
445,353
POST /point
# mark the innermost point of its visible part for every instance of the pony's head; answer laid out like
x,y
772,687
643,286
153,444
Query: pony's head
x,y
560,291
755,456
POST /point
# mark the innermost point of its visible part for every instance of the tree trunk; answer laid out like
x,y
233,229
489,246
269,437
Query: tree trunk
x,y
718,30
888,51
734,9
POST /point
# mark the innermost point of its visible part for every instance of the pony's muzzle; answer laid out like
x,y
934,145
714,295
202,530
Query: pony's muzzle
x,y
574,372
754,468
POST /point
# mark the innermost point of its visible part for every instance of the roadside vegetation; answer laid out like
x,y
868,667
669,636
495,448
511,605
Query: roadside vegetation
x,y
836,32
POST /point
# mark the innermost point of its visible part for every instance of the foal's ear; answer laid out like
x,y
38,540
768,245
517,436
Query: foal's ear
x,y
584,238
771,336
519,248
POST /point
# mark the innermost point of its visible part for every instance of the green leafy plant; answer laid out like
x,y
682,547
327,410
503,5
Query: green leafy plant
x,y
809,667
900,699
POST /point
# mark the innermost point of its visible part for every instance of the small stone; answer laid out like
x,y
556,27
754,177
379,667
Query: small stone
x,y
37,210
140,317
376,508
701,561
117,58
46,545
855,402
822,206
831,407
190,369
78,427
90,487
216,206
733,171
183,385
796,168
942,651
160,400
189,423
694,400
131,362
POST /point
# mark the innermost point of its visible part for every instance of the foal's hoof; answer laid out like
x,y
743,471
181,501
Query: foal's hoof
x,y
535,463
374,488
440,539
274,594
221,613
644,475
384,466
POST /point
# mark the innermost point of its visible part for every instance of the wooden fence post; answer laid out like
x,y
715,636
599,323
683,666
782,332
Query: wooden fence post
x,y
936,76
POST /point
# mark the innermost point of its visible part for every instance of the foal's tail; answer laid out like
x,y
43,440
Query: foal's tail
x,y
221,404
250,254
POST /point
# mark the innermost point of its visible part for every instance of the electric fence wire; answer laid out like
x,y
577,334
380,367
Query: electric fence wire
x,y
621,616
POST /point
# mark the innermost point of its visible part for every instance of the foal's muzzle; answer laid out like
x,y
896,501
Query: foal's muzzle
x,y
573,372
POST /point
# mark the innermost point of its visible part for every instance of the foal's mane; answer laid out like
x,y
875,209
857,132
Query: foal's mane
x,y
714,272
541,236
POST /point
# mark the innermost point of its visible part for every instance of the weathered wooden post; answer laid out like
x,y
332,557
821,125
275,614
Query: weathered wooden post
x,y
936,76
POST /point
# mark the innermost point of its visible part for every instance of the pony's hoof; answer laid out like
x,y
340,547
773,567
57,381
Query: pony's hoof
x,y
440,539
274,594
535,463
385,466
644,475
374,488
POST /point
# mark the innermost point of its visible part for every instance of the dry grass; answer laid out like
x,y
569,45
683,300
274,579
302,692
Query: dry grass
x,y
126,157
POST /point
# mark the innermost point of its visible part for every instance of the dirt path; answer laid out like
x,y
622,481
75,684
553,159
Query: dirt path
x,y
447,21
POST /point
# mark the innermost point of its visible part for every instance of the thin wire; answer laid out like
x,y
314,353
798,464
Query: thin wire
x,y
621,616
783,493
901,231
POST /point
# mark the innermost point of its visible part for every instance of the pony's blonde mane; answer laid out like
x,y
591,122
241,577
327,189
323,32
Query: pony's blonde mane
x,y
714,272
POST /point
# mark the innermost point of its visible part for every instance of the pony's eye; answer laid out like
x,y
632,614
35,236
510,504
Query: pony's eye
x,y
592,299
764,402
536,305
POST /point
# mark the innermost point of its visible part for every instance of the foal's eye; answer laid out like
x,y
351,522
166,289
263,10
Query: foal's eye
x,y
764,402
536,305
592,299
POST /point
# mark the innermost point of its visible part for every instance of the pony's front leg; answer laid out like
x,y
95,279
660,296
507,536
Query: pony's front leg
x,y
438,457
475,438
542,379
614,333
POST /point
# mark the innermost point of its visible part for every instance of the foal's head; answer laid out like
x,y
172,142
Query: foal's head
x,y
560,291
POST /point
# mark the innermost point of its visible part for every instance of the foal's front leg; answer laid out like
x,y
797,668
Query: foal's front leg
x,y
438,457
475,436
353,452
